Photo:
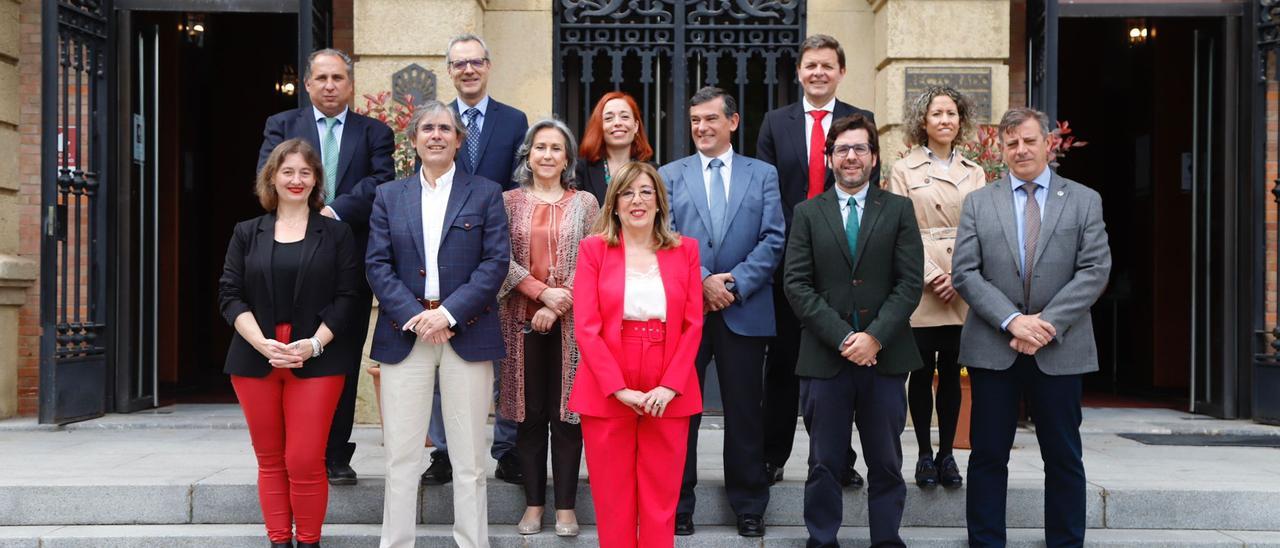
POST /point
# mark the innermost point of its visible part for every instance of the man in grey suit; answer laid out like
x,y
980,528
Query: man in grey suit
x,y
1031,258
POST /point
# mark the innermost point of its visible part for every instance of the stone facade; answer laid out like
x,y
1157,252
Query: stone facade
x,y
17,269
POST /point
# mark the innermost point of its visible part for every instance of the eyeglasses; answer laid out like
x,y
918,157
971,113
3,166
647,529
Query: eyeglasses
x,y
646,195
860,149
461,64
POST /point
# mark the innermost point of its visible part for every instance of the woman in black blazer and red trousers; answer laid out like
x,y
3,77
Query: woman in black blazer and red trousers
x,y
289,286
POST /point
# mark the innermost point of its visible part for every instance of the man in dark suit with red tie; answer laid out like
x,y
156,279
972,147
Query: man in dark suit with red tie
x,y
357,155
792,139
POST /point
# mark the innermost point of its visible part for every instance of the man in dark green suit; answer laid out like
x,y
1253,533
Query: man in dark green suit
x,y
853,276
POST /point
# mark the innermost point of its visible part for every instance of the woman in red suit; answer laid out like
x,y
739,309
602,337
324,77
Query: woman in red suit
x,y
638,299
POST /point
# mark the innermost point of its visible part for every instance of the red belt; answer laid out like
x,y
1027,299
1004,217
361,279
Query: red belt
x,y
654,330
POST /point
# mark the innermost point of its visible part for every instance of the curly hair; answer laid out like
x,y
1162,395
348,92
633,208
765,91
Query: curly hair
x,y
919,109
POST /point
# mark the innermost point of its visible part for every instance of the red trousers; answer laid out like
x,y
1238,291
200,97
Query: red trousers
x,y
636,463
289,420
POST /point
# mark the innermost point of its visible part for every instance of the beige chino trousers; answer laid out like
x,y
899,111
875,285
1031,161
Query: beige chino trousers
x,y
406,412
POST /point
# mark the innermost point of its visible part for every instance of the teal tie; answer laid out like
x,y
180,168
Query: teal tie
x,y
851,228
329,155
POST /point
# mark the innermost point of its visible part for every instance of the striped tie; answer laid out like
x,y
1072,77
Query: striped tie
x,y
329,155
1030,234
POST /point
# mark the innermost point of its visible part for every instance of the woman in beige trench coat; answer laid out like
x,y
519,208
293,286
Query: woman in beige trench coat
x,y
936,178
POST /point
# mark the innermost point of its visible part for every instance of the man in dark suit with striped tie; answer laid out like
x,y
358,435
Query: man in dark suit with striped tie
x,y
357,155
494,131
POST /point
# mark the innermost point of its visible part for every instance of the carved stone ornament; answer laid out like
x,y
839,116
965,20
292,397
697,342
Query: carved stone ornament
x,y
415,82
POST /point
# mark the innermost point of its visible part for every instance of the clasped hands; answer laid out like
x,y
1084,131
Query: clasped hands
x,y
653,402
860,348
431,326
558,301
715,296
941,286
1030,333
285,356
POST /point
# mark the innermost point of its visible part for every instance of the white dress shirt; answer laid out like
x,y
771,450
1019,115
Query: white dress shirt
x,y
725,170
808,121
643,295
434,201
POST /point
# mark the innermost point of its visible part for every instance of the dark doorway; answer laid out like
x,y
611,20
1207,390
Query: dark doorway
x,y
200,87
1148,94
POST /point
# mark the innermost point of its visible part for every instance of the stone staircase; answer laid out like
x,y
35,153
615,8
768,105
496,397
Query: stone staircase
x,y
134,488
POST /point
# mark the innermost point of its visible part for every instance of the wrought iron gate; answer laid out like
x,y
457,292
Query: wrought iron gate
x,y
73,171
661,51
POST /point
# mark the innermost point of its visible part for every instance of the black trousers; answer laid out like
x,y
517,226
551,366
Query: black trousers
x,y
340,449
739,368
1055,406
939,348
542,379
878,405
782,386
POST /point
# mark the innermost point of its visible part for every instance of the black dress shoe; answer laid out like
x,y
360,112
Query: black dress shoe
x,y
340,473
282,544
308,545
750,525
684,525
851,478
440,472
509,469
773,472
926,472
949,473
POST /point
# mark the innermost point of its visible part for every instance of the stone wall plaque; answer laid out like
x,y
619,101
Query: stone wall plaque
x,y
973,82
413,81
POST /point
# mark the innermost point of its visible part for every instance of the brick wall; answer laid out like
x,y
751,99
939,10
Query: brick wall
x,y
1273,125
29,203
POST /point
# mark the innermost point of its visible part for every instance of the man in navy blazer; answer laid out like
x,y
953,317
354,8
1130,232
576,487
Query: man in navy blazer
x,y
357,155
439,249
494,132
730,204
793,139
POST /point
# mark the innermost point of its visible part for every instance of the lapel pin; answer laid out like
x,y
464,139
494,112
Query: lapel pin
x,y
1060,193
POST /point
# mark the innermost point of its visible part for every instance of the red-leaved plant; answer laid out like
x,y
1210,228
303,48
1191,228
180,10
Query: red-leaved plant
x,y
396,115
984,150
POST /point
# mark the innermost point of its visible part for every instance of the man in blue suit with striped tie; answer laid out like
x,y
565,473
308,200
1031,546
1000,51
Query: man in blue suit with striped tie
x,y
494,131
731,204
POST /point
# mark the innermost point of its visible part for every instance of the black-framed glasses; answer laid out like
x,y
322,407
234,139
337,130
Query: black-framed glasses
x,y
461,64
860,149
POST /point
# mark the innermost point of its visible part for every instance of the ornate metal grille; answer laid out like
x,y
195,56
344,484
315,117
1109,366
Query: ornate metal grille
x,y
661,51
73,247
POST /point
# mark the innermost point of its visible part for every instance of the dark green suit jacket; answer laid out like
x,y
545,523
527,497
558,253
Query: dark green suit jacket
x,y
825,285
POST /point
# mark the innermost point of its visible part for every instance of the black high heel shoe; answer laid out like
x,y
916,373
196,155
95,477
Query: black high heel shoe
x,y
308,545
282,544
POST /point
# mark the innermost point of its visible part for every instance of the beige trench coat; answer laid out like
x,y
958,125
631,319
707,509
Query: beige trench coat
x,y
937,192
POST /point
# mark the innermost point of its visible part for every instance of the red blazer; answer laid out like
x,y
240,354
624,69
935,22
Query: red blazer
x,y
598,289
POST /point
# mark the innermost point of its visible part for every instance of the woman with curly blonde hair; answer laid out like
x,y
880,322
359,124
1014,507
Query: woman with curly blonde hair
x,y
937,178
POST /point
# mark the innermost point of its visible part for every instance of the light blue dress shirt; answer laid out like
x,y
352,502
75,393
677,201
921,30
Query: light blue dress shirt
x,y
322,128
1019,204
482,106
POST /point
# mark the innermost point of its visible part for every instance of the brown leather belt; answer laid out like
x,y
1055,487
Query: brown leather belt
x,y
430,304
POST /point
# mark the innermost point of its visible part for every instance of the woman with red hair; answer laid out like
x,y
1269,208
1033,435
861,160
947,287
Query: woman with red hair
x,y
614,136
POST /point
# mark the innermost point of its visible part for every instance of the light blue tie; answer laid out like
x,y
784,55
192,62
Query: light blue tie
x,y
717,198
329,155
473,137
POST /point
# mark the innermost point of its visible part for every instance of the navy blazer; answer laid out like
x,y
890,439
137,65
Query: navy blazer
x,y
475,251
751,246
327,290
781,143
364,159
503,131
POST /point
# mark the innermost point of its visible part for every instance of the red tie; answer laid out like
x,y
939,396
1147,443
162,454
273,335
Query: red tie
x,y
817,144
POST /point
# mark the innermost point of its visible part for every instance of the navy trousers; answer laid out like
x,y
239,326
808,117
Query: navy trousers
x,y
1055,409
878,404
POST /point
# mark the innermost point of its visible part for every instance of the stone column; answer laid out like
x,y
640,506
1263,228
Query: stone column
x,y
963,42
16,273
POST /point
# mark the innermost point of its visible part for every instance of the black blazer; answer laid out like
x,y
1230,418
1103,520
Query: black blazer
x,y
364,160
503,130
327,291
781,143
590,177
881,285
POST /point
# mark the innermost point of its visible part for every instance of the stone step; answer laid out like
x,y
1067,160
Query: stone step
x,y
431,536
231,498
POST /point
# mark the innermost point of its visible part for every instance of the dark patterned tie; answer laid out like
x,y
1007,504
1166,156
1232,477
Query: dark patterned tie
x,y
1030,234
473,137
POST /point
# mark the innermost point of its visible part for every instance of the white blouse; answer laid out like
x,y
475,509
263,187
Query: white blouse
x,y
644,298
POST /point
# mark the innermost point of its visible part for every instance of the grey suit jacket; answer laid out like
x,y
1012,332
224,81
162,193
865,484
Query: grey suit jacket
x,y
1071,266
